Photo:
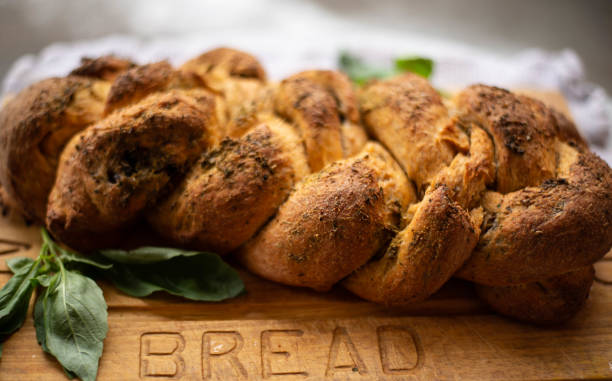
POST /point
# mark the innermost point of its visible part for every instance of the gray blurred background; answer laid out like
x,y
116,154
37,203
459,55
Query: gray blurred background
x,y
503,27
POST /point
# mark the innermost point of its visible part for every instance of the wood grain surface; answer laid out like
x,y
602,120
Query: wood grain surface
x,y
277,332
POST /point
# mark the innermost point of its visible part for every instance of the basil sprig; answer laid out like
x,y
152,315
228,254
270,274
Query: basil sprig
x,y
361,72
70,314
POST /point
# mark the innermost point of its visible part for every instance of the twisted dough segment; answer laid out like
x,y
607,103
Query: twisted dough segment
x,y
110,172
241,80
135,84
218,65
106,68
333,222
352,134
441,234
35,126
548,233
422,257
408,117
235,77
233,189
315,112
561,219
538,232
490,186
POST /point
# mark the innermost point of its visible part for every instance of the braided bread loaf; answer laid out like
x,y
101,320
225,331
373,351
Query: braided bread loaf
x,y
390,190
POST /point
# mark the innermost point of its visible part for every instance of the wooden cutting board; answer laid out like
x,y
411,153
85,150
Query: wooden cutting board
x,y
277,332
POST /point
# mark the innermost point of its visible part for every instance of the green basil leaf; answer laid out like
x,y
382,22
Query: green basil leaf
x,y
74,323
15,298
131,282
417,65
360,72
44,279
40,330
92,260
14,264
146,255
203,277
39,323
69,374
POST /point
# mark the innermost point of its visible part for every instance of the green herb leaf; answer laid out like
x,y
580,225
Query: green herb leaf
x,y
416,65
39,326
39,323
74,323
44,279
198,276
146,255
361,72
69,374
131,282
14,264
91,260
15,298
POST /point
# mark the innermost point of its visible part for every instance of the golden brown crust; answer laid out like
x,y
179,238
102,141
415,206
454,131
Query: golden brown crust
x,y
136,83
549,301
408,117
106,68
538,232
340,87
422,257
315,113
332,223
34,127
240,79
468,175
522,129
398,192
225,62
112,171
234,189
354,138
247,102
567,131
